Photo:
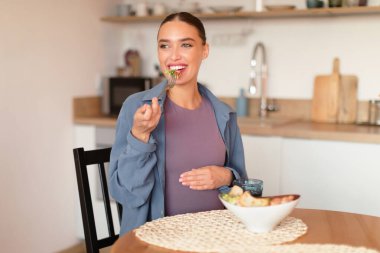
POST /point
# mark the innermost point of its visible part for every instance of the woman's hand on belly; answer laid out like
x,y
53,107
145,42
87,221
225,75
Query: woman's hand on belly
x,y
206,178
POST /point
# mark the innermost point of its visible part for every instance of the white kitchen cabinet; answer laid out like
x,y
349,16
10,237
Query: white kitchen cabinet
x,y
92,137
104,136
85,136
263,161
331,175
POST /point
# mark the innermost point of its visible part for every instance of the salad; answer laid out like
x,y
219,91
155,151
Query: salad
x,y
237,196
173,73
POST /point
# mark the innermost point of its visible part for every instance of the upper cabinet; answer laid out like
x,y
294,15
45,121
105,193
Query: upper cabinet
x,y
317,12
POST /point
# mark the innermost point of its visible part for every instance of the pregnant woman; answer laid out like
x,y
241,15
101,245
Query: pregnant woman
x,y
175,151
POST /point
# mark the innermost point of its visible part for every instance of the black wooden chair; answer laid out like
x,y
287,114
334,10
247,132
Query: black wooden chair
x,y
82,160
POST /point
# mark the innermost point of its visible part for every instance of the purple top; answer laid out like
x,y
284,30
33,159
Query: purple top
x,y
193,140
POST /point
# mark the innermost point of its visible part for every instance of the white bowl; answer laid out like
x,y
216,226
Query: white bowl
x,y
262,219
222,9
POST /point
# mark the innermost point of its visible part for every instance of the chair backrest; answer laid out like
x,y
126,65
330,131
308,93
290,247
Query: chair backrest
x,y
82,160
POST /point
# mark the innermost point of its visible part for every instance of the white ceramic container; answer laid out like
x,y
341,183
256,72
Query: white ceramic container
x,y
262,219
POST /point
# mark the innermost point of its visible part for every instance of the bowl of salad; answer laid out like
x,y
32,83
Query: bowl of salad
x,y
258,214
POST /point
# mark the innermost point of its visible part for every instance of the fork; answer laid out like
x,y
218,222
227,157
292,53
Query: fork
x,y
170,84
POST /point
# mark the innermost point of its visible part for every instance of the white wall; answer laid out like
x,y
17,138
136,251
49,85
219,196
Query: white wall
x,y
298,49
50,51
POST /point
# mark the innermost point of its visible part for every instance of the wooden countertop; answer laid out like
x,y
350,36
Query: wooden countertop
x,y
290,128
311,130
100,121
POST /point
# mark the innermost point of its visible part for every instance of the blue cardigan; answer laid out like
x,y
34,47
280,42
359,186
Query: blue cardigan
x,y
137,169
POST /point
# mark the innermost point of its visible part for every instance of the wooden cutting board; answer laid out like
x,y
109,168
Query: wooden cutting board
x,y
348,99
325,102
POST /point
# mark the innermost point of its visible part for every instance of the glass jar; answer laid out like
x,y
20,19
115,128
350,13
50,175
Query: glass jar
x,y
335,3
314,4
374,112
352,3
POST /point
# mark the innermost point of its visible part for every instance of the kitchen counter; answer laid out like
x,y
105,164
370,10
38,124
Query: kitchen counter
x,y
290,122
311,130
291,128
101,121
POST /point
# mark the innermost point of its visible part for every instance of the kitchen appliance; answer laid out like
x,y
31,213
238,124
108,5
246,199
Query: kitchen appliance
x,y
335,97
117,89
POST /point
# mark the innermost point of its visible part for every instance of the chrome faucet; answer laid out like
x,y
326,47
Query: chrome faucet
x,y
259,76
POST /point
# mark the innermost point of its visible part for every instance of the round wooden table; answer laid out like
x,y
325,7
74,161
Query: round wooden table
x,y
323,227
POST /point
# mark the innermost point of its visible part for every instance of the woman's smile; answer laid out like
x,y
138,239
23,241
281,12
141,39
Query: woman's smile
x,y
179,69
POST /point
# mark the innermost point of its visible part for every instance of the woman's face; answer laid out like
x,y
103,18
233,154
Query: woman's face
x,y
181,48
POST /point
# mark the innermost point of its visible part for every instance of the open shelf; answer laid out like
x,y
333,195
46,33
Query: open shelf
x,y
317,12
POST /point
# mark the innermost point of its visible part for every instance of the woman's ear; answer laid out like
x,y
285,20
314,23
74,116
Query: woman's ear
x,y
205,51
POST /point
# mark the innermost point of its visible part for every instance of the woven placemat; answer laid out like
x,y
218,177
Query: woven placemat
x,y
214,231
311,248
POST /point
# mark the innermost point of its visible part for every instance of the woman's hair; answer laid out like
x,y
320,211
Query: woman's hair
x,y
189,19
